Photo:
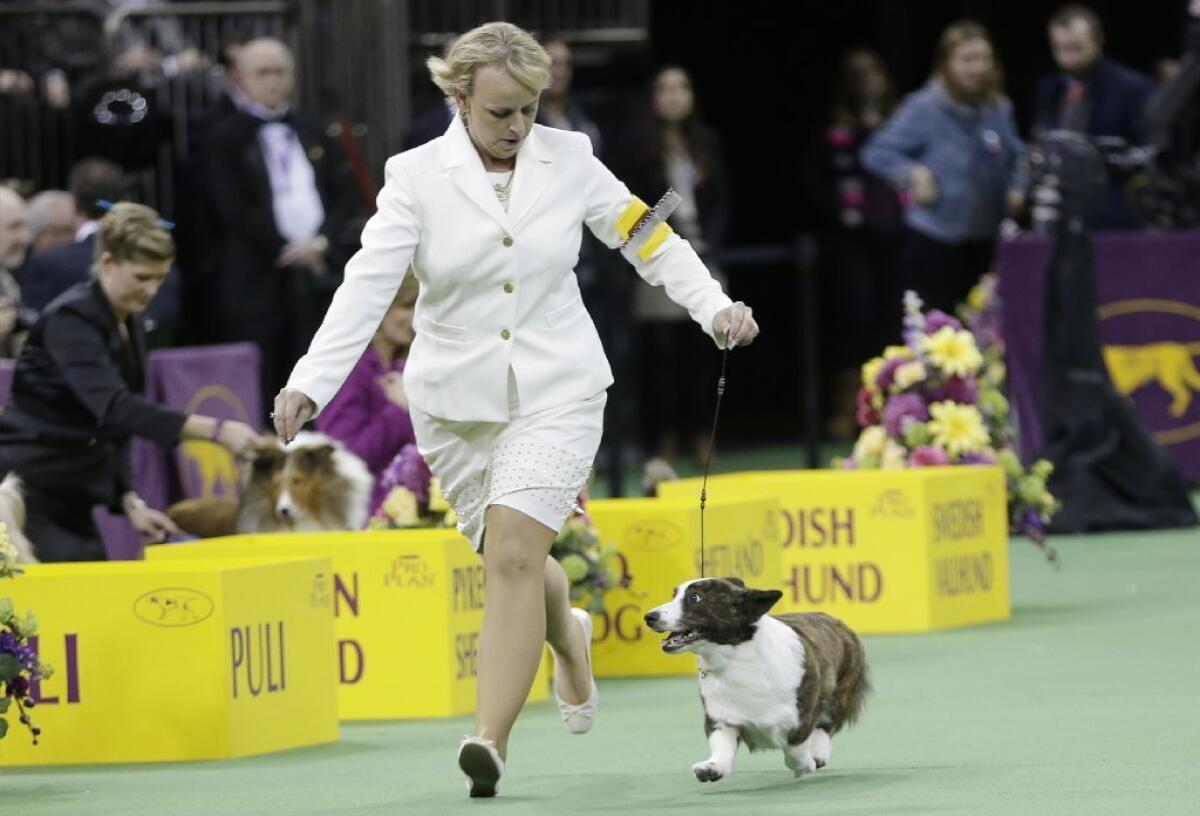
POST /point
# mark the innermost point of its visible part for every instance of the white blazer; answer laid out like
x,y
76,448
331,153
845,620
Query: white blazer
x,y
498,289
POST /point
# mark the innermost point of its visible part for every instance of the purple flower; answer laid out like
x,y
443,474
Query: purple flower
x,y
902,407
938,319
962,390
977,458
849,463
928,456
883,380
409,470
1031,525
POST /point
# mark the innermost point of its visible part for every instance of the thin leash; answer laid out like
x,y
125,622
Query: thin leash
x,y
712,443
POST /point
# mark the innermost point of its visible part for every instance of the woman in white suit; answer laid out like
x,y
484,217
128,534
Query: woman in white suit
x,y
506,379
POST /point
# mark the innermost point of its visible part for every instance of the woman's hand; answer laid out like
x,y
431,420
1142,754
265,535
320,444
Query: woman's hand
x,y
239,438
922,185
152,525
292,410
736,321
392,384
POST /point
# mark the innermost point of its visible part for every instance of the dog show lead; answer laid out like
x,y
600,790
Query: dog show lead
x,y
507,377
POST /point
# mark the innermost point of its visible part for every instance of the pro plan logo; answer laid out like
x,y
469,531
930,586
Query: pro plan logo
x,y
173,606
652,535
1151,348
893,503
322,591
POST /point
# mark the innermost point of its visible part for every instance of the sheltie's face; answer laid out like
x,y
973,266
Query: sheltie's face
x,y
305,480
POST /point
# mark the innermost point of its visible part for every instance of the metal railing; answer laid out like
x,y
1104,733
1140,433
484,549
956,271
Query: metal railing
x,y
43,44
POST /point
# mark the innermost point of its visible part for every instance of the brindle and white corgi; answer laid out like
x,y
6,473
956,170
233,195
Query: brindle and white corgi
x,y
770,681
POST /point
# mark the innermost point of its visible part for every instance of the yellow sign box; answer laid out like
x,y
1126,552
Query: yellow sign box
x,y
659,541
886,551
177,661
408,608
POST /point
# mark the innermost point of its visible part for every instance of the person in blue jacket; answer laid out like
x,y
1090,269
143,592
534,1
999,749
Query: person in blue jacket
x,y
953,152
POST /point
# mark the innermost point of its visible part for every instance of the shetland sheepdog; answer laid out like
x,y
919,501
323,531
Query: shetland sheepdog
x,y
788,682
312,484
12,515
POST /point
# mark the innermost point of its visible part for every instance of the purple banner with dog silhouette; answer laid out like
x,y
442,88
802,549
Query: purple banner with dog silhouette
x,y
220,381
1148,302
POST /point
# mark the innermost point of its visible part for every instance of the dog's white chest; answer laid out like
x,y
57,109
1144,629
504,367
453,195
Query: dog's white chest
x,y
754,685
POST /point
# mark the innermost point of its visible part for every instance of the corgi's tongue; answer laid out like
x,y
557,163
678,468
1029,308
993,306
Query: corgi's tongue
x,y
677,640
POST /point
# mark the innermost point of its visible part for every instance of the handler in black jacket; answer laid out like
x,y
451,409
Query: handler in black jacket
x,y
76,397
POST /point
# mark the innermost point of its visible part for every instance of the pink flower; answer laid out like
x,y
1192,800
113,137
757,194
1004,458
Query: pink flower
x,y
866,414
928,456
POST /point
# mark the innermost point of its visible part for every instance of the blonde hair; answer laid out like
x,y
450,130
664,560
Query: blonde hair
x,y
134,233
959,34
501,44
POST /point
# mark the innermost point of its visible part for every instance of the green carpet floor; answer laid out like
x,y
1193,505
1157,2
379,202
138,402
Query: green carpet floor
x,y
1086,702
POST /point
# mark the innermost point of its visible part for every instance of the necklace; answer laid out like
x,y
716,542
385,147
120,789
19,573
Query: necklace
x,y
502,190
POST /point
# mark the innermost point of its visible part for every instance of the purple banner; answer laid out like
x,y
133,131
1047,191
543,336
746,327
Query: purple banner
x,y
220,381
1148,302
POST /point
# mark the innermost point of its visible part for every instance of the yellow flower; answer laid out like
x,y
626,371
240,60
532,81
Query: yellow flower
x,y
895,456
977,298
437,500
401,507
870,369
957,428
954,352
870,443
908,375
893,352
450,519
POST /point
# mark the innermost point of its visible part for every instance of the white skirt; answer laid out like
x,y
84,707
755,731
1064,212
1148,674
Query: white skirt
x,y
537,464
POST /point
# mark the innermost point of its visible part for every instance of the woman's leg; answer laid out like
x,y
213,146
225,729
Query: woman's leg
x,y
514,619
573,681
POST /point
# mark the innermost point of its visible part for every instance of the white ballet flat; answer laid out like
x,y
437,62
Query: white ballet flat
x,y
481,762
579,718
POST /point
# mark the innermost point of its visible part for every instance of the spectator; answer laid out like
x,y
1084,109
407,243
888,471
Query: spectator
x,y
1094,95
282,204
51,220
862,220
76,397
952,148
557,108
54,271
370,412
678,150
14,242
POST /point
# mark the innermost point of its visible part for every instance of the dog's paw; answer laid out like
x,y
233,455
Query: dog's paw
x,y
709,771
820,745
800,761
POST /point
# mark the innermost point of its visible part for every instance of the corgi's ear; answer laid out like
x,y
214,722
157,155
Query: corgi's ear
x,y
758,602
737,582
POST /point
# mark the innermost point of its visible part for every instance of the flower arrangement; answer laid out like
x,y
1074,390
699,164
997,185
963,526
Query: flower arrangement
x,y
592,566
939,400
414,496
19,664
